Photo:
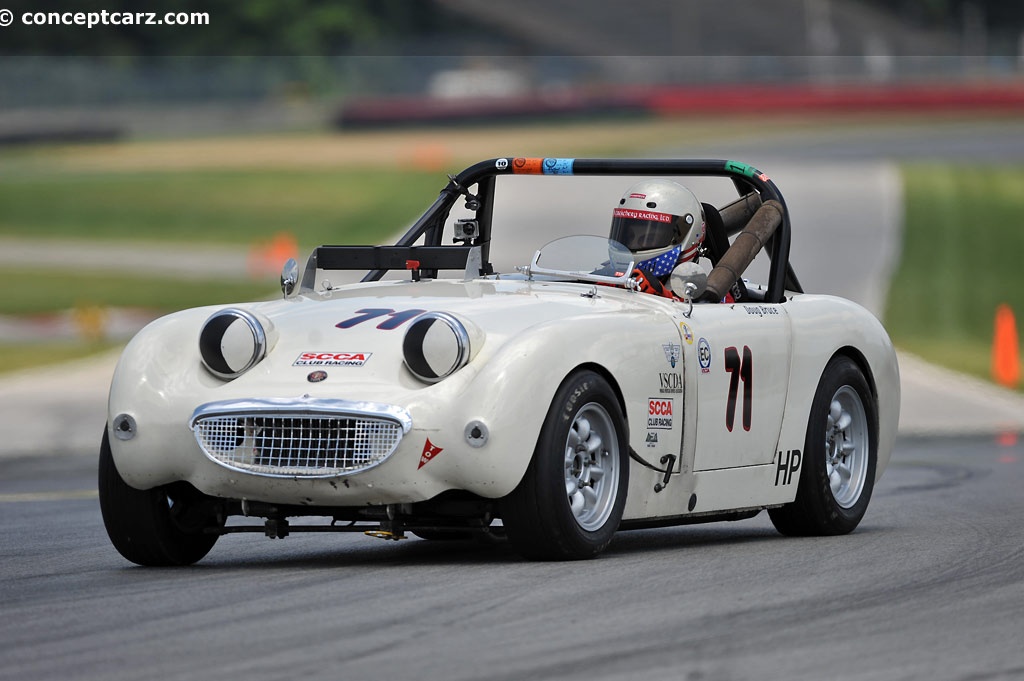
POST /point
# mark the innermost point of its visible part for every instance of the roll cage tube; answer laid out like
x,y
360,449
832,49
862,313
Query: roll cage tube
x,y
745,178
431,224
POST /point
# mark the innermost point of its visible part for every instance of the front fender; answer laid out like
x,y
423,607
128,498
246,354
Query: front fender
x,y
511,392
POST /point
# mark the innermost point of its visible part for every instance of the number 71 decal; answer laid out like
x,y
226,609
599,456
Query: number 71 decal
x,y
741,370
395,319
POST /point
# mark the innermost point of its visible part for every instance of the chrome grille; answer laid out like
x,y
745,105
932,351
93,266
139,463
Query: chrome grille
x,y
304,445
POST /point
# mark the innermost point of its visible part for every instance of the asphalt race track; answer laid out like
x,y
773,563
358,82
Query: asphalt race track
x,y
930,586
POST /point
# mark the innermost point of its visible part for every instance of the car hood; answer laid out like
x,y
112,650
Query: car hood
x,y
355,333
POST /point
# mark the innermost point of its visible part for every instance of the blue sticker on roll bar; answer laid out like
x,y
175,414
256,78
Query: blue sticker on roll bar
x,y
558,166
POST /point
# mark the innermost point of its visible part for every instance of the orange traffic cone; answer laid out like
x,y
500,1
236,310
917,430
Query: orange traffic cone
x,y
267,258
1005,349
281,248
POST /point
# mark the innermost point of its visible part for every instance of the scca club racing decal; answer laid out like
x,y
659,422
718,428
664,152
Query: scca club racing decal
x,y
659,413
332,359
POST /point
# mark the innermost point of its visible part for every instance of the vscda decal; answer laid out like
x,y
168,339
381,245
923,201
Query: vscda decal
x,y
332,359
660,412
670,382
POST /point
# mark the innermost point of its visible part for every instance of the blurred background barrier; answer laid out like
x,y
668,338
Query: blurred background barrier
x,y
360,64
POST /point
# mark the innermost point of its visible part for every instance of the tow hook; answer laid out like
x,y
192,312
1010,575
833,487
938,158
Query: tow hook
x,y
390,528
386,534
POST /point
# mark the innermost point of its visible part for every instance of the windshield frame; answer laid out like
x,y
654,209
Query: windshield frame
x,y
610,246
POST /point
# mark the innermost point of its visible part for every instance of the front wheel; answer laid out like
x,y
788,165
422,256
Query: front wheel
x,y
169,525
570,501
840,456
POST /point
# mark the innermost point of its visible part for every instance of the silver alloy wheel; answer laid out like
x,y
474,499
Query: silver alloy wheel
x,y
592,466
846,446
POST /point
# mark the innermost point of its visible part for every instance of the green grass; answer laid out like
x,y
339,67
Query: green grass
x,y
230,206
77,290
194,206
89,295
962,252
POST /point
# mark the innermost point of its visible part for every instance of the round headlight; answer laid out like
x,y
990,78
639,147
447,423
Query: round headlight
x,y
232,342
435,346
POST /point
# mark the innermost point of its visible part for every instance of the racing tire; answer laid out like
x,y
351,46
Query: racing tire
x,y
570,501
839,458
160,527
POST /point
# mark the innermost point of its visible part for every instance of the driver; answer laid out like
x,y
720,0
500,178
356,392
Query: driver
x,y
662,223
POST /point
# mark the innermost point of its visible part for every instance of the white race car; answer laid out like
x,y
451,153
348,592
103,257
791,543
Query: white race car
x,y
552,405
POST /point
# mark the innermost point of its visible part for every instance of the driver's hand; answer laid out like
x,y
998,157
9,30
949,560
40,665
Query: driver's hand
x,y
648,284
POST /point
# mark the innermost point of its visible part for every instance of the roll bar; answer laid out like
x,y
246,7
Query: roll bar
x,y
753,187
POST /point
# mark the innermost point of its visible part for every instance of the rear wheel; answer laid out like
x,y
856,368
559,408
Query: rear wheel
x,y
840,456
570,502
169,525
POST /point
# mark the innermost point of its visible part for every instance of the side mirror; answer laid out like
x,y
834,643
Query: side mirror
x,y
688,280
289,277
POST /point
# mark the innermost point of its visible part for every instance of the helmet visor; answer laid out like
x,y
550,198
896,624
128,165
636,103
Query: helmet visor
x,y
642,230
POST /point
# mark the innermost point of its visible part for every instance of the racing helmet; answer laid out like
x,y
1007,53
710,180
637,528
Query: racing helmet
x,y
661,222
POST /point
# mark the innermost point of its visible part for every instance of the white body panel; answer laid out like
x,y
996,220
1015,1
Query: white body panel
x,y
742,381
